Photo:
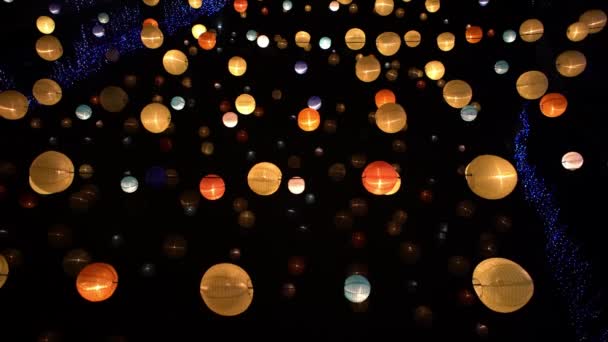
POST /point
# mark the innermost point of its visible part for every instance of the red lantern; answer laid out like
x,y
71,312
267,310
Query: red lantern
x,y
97,282
379,177
240,6
207,40
474,34
384,96
212,187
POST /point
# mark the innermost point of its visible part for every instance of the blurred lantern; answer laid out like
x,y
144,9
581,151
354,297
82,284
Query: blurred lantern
x,y
457,93
59,236
296,185
388,43
84,112
553,105
391,118
178,103
288,290
246,219
46,25
458,265
196,4
47,92
155,117
302,39
412,38
197,30
237,66
151,2
384,96
532,85
325,43
468,113
3,270
245,104
49,48
384,7
152,37
13,105
595,20
577,32
240,6
175,246
379,177
264,178
571,63
226,289
314,102
423,315
103,18
434,70
287,5
175,62
358,160
572,161
357,288
212,187
51,172
251,35
501,67
446,41
207,40
97,282
263,41
432,6
509,36
531,30
474,34
491,177
150,21
230,119
355,39
85,171
409,252
296,265
309,119
113,99
368,68
300,67
129,184
75,260
502,285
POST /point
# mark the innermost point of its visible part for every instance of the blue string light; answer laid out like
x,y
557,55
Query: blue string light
x,y
569,268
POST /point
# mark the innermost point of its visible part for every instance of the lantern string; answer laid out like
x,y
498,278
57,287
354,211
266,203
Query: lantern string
x,y
570,269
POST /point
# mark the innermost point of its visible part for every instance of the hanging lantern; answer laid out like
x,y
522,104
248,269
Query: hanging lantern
x,y
151,3
175,62
368,68
491,177
47,92
3,270
113,99
384,96
240,6
46,25
595,20
457,93
302,39
434,70
384,7
379,177
51,172
264,178
207,40
237,66
532,85
97,282
553,105
309,119
391,118
531,30
230,119
446,41
13,105
474,34
245,104
571,63
212,187
572,161
355,39
226,289
197,30
296,185
49,48
577,32
412,38
388,43
196,4
357,288
432,6
155,117
151,36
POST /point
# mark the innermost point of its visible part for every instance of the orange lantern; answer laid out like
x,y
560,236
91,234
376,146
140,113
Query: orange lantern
x,y
240,6
553,105
309,119
151,22
207,40
212,187
384,96
379,177
97,282
474,34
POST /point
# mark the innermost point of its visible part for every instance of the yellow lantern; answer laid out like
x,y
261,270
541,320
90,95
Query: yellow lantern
x,y
446,41
303,39
395,188
502,285
571,63
155,117
151,3
432,6
51,172
197,30
47,92
264,178
13,105
391,118
434,70
457,93
237,66
388,43
595,20
531,30
532,85
245,104
196,4
577,32
345,2
368,68
412,38
309,119
226,289
175,62
46,25
113,99
355,39
384,7
49,48
491,177
152,37
3,270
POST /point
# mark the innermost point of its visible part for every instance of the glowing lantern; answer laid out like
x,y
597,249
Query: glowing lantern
x,y
379,177
197,30
207,40
226,289
553,105
151,22
531,30
51,172
264,178
384,96
237,66
577,32
572,161
196,4
46,25
570,63
240,6
446,41
502,285
432,6
368,68
151,3
302,39
175,62
532,85
13,105
49,48
391,118
296,185
434,70
3,270
113,99
47,92
152,37
595,20
457,93
388,43
474,34
97,282
345,2
356,288
309,119
412,38
384,7
395,188
212,187
355,39
491,177
230,119
155,117
245,104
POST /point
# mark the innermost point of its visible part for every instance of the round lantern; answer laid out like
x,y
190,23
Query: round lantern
x,y
532,85
553,105
531,30
491,177
501,67
595,20
197,30
47,92
212,187
384,7
245,104
572,161
13,105
49,48
207,40
3,270
51,172
571,63
391,118
97,282
302,39
46,25
226,289
577,32
264,178
446,41
384,96
129,184
309,119
230,119
152,37
357,288
240,6
355,39
151,3
379,177
432,6
457,93
474,34
113,99
175,62
388,43
368,68
509,36
196,4
412,38
434,70
296,185
502,285
237,66
155,117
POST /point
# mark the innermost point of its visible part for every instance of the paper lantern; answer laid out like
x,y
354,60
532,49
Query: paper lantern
x,y
245,104
532,85
577,32
491,177
571,63
240,6
384,96
384,7
388,43
345,2
49,48
434,70
391,118
368,68
502,285
151,2
432,6
226,289
357,288
309,119
3,270
412,38
379,177
237,66
212,187
553,105
196,4
152,37
13,105
501,67
207,40
474,34
296,185
395,188
113,99
47,92
531,30
355,39
302,39
197,30
46,25
595,20
230,119
175,62
129,184
264,178
457,93
150,21
155,117
51,172
446,41
97,282
572,161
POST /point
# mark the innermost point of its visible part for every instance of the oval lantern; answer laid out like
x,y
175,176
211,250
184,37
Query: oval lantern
x,y
491,177
595,20
355,39
155,117
3,270
368,68
13,105
212,187
245,104
357,288
572,161
152,37
532,85
379,177
571,63
388,43
384,96
97,282
113,99
226,289
264,178
577,31
384,7
47,92
175,62
296,185
46,25
553,105
531,30
51,172
457,93
434,70
446,41
309,119
502,285
412,38
49,48
237,66
391,118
